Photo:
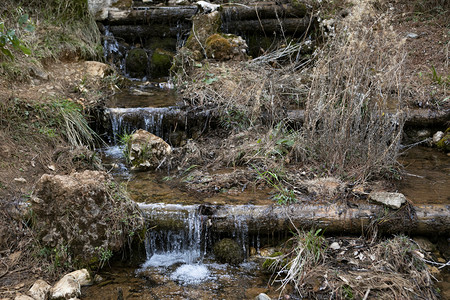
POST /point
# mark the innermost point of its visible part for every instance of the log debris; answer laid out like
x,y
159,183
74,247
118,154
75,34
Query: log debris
x,y
334,218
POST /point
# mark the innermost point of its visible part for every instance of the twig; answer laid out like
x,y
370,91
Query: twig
x,y
7,269
366,294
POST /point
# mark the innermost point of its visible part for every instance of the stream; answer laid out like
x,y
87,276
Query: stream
x,y
177,262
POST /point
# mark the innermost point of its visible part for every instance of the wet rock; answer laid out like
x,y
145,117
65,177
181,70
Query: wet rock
x,y
262,296
137,62
161,62
83,215
228,251
97,69
393,200
146,150
437,136
226,47
40,290
444,142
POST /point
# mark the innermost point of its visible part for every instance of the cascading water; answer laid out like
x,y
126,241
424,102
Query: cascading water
x,y
180,243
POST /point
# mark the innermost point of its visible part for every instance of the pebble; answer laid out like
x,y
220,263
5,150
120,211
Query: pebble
x,y
335,246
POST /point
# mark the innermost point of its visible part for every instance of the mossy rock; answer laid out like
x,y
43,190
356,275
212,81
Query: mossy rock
x,y
300,7
228,251
203,26
218,47
444,143
137,62
225,46
269,262
161,62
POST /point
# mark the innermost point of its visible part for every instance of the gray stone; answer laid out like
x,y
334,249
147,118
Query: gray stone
x,y
262,296
335,246
393,200
82,276
146,150
412,35
40,290
66,288
79,211
438,136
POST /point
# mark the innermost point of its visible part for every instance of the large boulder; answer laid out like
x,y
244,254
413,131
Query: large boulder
x,y
83,217
136,62
146,150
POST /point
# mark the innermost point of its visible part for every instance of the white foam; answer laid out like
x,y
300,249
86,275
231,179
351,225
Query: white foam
x,y
190,274
170,258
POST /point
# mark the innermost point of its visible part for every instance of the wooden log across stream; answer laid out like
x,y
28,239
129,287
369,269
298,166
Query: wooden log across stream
x,y
334,218
263,18
168,14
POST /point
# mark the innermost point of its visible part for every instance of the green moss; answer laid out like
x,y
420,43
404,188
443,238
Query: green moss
x,y
269,262
136,62
444,143
218,47
203,26
228,251
300,7
161,62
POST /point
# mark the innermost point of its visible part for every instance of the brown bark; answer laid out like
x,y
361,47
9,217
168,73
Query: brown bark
x,y
334,218
268,26
230,13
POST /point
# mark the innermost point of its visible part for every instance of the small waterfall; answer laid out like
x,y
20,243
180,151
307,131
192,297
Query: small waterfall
x,y
127,120
181,241
112,51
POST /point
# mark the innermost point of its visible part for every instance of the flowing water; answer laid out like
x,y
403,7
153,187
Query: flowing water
x,y
178,262
427,176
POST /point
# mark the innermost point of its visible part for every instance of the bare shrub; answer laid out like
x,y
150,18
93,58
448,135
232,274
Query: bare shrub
x,y
353,121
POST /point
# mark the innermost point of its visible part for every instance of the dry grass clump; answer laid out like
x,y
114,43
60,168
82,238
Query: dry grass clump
x,y
390,269
353,119
243,94
62,30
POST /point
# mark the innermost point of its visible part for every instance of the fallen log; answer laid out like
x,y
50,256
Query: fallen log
x,y
334,218
293,26
133,32
229,13
151,15
257,11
